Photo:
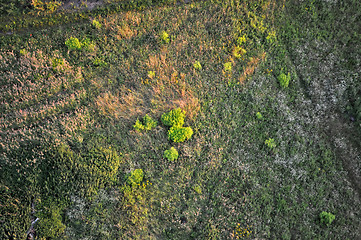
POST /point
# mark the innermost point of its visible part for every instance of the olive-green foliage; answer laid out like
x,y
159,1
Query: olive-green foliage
x,y
171,154
147,124
73,43
136,177
84,173
50,224
87,45
138,126
270,143
284,79
96,24
259,116
326,218
197,65
164,37
228,67
174,118
180,134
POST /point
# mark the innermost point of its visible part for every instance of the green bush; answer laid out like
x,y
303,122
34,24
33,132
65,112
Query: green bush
x,y
73,43
136,177
171,154
270,143
259,116
96,24
228,67
197,65
164,37
148,124
284,79
326,218
174,118
180,134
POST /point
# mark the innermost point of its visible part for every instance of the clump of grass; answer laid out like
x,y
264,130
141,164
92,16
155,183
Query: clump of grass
x,y
151,74
197,189
174,118
259,116
326,218
197,65
180,134
271,144
228,67
284,80
238,52
171,154
147,124
96,24
136,177
164,37
73,43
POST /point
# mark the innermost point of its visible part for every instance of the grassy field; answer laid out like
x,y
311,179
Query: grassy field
x,y
271,91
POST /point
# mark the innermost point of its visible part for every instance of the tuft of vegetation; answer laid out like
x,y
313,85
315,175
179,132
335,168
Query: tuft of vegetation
x,y
259,116
228,67
171,154
180,134
138,126
136,177
164,36
327,218
270,143
73,43
96,24
147,124
174,118
284,80
197,65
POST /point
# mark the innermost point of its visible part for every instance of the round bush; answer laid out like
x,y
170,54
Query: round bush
x,y
180,134
171,154
136,176
174,118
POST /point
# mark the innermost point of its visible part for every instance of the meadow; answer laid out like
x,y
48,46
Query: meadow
x,y
181,120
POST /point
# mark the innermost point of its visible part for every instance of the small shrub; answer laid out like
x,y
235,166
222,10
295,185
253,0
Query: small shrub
x,y
171,154
138,126
149,123
259,116
96,24
180,134
151,74
174,118
270,143
326,218
197,65
238,52
241,40
228,67
197,189
136,177
164,37
99,62
88,45
23,52
73,43
271,38
284,79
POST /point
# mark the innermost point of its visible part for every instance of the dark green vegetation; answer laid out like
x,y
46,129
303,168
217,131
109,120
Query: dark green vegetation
x,y
270,89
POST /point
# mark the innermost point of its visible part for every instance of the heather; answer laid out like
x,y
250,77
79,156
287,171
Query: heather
x,y
180,120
